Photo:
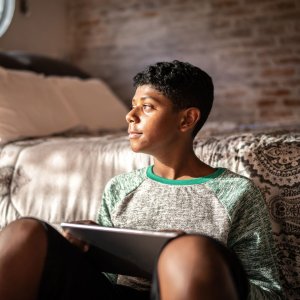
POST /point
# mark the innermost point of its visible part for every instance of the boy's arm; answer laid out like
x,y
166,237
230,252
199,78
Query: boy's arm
x,y
104,219
251,239
104,213
115,191
109,198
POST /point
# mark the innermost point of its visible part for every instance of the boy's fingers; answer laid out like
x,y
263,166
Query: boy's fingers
x,y
76,242
87,222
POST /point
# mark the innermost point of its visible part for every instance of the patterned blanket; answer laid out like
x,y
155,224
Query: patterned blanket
x,y
272,160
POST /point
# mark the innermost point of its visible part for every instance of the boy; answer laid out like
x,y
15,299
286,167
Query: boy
x,y
214,207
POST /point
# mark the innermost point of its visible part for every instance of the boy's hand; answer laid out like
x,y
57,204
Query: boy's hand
x,y
83,246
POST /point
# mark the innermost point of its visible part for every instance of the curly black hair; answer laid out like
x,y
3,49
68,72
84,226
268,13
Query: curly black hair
x,y
184,84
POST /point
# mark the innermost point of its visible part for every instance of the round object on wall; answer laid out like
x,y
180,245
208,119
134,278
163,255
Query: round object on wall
x,y
7,8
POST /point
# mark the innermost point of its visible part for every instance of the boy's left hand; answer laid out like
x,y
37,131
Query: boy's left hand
x,y
83,246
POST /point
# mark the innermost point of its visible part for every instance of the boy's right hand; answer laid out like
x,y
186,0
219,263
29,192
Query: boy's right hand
x,y
83,246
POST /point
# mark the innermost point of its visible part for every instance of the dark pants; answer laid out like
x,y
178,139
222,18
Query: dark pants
x,y
71,274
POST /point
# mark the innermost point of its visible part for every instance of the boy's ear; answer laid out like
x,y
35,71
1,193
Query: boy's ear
x,y
189,118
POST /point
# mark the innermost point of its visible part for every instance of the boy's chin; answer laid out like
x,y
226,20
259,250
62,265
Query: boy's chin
x,y
138,149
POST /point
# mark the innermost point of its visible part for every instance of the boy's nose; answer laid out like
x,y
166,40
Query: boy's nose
x,y
131,116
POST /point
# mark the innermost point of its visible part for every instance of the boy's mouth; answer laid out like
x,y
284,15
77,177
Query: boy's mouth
x,y
134,134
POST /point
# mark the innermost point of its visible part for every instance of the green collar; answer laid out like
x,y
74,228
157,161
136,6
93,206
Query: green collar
x,y
198,180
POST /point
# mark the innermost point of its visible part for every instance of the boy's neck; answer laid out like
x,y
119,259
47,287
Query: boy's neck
x,y
185,168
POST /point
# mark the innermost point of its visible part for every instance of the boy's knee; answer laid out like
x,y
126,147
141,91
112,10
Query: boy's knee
x,y
199,263
189,248
25,230
190,255
195,263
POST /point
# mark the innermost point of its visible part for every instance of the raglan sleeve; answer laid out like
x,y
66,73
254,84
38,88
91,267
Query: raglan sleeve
x,y
106,205
251,239
116,190
104,214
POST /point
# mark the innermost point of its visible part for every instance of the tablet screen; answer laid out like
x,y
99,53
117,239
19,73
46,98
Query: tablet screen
x,y
122,251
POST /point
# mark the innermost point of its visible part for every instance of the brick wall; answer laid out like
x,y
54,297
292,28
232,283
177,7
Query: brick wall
x,y
250,47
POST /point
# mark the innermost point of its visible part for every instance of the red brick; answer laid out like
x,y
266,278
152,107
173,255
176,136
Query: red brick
x,y
88,23
291,40
258,2
219,23
260,84
293,82
276,92
293,60
235,33
234,93
274,52
273,115
150,14
292,102
266,102
219,4
278,72
287,5
260,42
292,15
272,29
297,27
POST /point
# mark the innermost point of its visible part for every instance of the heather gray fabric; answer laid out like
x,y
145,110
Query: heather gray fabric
x,y
223,205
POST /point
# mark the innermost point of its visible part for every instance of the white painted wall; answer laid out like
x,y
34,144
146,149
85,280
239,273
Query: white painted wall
x,y
42,31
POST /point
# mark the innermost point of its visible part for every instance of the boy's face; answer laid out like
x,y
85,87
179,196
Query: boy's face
x,y
153,123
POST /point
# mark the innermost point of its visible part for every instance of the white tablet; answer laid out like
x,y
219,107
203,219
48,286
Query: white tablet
x,y
122,251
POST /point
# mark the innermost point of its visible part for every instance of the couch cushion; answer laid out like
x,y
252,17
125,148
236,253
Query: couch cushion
x,y
30,106
272,161
92,102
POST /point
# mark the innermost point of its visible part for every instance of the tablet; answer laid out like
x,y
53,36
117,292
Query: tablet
x,y
121,251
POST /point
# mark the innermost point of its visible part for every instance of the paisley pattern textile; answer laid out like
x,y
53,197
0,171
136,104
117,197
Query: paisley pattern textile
x,y
272,160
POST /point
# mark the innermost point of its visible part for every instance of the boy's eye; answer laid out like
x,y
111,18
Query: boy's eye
x,y
147,108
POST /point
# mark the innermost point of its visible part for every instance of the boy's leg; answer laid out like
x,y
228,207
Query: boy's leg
x,y
23,247
36,262
199,267
69,274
